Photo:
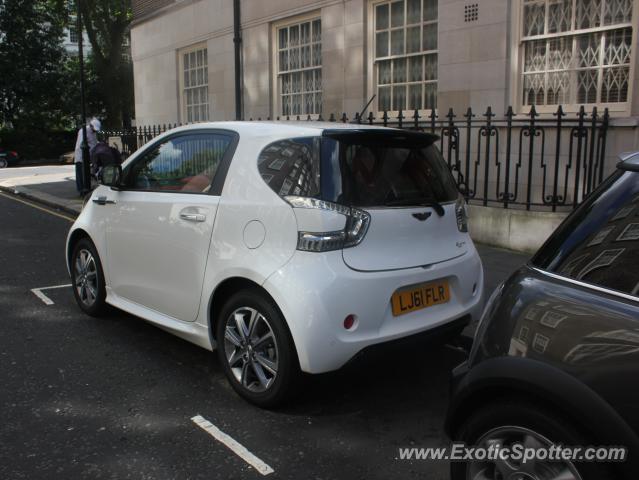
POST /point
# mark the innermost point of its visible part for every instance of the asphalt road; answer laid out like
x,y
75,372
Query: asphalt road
x,y
114,397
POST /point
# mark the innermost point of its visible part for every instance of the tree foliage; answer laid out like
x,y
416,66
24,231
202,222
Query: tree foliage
x,y
32,59
107,26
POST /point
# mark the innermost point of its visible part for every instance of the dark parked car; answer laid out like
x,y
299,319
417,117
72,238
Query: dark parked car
x,y
555,359
8,158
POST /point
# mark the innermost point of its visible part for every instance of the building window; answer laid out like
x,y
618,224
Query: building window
x,y
299,68
195,81
576,51
540,342
405,52
631,232
73,35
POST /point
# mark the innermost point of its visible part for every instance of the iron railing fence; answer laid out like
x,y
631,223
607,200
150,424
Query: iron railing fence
x,y
517,161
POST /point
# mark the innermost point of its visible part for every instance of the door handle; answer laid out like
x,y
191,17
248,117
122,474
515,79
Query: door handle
x,y
193,217
103,201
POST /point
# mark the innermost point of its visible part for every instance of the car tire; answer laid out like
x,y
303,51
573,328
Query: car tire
x,y
261,369
511,419
4,163
87,278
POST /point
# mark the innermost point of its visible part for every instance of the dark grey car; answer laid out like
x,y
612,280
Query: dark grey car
x,y
556,356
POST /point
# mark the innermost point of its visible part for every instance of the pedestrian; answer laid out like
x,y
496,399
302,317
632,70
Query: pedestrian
x,y
93,127
102,155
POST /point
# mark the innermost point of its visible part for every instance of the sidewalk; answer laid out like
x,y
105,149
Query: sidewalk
x,y
55,186
52,185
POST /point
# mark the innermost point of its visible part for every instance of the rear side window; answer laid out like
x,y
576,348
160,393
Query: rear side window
x,y
291,167
599,242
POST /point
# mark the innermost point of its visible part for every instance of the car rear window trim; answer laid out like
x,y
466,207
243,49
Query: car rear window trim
x,y
407,207
590,286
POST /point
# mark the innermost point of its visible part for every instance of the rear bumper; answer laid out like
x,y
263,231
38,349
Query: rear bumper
x,y
315,292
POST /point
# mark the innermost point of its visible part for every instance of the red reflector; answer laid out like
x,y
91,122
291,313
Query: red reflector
x,y
349,321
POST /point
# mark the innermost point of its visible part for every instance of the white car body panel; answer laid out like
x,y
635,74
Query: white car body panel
x,y
396,240
251,233
322,280
152,251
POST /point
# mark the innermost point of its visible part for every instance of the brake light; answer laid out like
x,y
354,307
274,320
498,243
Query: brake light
x,y
15,154
357,222
461,213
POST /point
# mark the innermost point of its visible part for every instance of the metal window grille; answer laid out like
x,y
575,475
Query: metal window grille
x,y
406,54
576,51
299,68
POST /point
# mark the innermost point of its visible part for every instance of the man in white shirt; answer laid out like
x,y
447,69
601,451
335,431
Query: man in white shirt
x,y
92,139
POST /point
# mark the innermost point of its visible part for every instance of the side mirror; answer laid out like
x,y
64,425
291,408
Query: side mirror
x,y
111,176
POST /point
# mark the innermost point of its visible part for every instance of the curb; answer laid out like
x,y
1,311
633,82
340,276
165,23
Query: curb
x,y
35,199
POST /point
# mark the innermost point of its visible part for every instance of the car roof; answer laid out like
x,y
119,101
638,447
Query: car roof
x,y
629,161
278,128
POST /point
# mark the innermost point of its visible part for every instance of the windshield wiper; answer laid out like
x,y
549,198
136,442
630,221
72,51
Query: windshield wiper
x,y
435,205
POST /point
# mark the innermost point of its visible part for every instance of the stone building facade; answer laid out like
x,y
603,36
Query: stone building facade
x,y
301,57
309,58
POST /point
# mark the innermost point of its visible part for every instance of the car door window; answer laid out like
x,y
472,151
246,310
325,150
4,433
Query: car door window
x,y
599,244
183,163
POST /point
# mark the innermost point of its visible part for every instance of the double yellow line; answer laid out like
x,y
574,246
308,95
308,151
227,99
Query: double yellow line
x,y
38,207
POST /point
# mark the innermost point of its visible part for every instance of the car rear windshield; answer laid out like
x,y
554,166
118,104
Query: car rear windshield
x,y
362,168
599,242
384,168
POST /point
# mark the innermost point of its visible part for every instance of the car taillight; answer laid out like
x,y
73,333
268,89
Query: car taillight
x,y
357,222
15,154
461,214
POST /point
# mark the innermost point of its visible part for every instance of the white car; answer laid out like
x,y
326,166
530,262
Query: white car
x,y
287,247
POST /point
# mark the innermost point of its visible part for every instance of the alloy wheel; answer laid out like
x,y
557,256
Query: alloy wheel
x,y
86,277
250,349
508,469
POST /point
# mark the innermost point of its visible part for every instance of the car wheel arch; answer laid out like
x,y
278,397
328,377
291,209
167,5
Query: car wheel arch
x,y
74,238
227,288
541,384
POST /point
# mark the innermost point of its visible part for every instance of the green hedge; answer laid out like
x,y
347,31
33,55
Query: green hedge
x,y
38,144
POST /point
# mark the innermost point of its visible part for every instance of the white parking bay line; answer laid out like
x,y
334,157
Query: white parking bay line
x,y
239,450
47,301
